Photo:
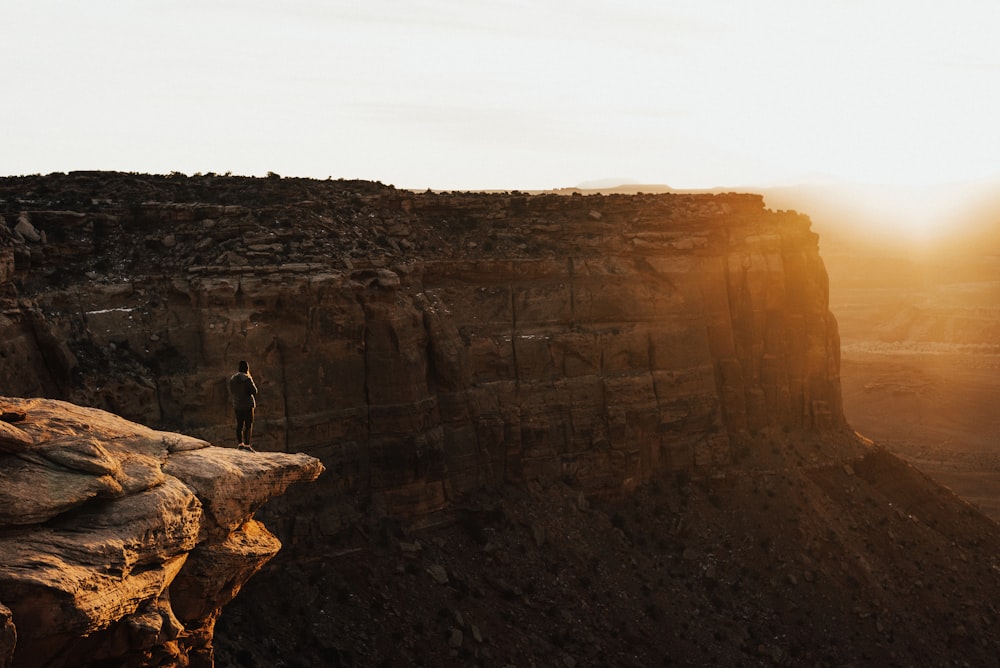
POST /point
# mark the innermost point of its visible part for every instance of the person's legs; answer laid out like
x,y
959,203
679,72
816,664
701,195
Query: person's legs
x,y
244,423
248,427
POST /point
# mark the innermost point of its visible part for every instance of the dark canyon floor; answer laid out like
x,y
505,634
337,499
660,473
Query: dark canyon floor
x,y
864,562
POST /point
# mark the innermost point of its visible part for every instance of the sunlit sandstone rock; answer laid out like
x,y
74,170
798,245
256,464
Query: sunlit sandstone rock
x,y
119,542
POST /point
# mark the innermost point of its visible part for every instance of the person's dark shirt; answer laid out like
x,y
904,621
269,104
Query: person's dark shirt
x,y
243,389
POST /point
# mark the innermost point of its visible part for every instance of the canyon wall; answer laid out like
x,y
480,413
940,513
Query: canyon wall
x,y
423,345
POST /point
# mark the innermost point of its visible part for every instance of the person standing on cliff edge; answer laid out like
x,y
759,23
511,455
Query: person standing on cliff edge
x,y
243,390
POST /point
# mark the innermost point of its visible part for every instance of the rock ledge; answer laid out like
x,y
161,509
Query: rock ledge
x,y
120,542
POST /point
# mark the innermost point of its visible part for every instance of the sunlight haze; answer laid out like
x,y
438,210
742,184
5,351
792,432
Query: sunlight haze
x,y
507,95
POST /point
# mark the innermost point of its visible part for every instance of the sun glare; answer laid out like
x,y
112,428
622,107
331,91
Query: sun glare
x,y
918,214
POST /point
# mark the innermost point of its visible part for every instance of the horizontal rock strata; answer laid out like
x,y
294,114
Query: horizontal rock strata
x,y
425,344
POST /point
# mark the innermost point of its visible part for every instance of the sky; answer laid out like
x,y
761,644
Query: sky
x,y
507,94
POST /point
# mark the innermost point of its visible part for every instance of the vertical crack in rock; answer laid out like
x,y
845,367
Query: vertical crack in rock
x,y
278,429
516,367
513,337
366,389
570,270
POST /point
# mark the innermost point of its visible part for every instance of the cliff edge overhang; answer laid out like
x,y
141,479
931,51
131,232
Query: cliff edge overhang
x,y
123,543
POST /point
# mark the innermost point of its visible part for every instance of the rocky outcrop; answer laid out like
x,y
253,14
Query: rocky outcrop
x,y
425,344
120,543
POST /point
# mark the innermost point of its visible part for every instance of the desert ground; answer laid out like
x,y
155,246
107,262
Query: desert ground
x,y
920,346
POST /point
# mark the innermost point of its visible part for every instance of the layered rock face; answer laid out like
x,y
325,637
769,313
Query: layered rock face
x,y
423,345
120,544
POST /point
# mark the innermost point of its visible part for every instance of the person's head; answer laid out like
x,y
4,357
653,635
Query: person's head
x,y
244,367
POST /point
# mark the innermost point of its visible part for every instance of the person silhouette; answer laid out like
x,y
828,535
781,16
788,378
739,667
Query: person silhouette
x,y
243,390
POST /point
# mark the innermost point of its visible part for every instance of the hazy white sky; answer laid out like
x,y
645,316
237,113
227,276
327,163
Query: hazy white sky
x,y
508,93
